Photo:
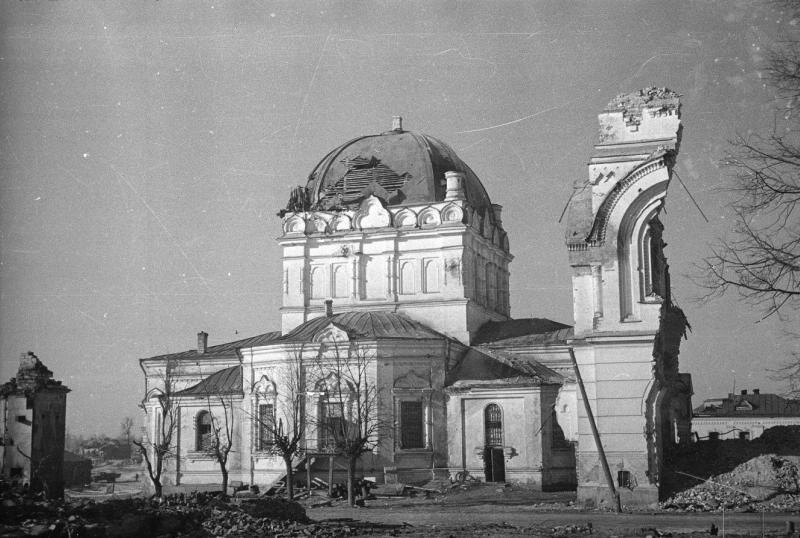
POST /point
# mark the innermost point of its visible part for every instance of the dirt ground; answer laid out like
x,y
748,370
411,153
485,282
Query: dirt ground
x,y
494,511
488,510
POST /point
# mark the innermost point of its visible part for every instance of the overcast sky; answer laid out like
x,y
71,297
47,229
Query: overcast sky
x,y
145,148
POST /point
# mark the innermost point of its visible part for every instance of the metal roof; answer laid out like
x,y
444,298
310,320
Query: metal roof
x,y
364,325
523,331
226,350
486,367
222,383
409,165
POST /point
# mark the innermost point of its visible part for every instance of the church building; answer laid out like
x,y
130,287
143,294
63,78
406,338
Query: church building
x,y
395,313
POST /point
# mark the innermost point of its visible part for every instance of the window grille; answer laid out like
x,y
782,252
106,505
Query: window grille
x,y
332,429
493,421
411,425
204,437
266,426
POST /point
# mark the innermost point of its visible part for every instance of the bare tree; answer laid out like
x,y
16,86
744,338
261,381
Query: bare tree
x,y
156,448
221,435
125,427
281,425
762,259
348,421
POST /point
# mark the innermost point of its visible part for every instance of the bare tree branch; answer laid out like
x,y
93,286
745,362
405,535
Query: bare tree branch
x,y
760,260
161,407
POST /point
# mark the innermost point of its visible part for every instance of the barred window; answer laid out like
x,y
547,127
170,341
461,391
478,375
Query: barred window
x,y
204,437
493,422
266,426
332,430
411,425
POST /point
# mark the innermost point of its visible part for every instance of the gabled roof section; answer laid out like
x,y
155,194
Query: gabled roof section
x,y
483,367
363,325
523,331
228,350
227,382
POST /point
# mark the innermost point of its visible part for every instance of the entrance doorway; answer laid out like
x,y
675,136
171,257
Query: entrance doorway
x,y
494,464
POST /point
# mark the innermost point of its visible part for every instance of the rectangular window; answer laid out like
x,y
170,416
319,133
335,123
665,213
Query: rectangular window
x,y
411,425
744,436
624,479
713,436
332,425
266,426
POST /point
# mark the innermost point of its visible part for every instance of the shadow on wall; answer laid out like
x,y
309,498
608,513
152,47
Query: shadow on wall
x,y
688,465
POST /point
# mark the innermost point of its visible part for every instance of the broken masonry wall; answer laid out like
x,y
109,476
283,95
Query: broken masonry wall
x,y
47,442
19,418
611,218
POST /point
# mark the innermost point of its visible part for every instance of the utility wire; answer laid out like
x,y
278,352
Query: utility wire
x,y
690,194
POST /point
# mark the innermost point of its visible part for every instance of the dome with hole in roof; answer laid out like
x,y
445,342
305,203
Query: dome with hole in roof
x,y
400,167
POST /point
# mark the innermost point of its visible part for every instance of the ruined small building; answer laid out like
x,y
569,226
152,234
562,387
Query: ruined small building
x,y
33,413
394,253
743,416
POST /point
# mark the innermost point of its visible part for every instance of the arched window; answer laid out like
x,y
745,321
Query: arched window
x,y
493,425
339,281
317,283
266,425
407,284
431,284
652,262
203,431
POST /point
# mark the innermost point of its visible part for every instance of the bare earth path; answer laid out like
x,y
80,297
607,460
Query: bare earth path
x,y
495,512
451,519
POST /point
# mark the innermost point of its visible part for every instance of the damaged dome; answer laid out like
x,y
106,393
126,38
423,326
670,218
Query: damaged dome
x,y
399,167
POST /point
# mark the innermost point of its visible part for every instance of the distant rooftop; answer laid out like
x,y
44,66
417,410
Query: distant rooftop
x,y
748,404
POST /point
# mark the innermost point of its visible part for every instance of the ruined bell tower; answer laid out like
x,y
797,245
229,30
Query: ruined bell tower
x,y
627,329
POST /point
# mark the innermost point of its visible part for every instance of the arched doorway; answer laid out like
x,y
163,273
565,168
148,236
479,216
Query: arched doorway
x,y
494,465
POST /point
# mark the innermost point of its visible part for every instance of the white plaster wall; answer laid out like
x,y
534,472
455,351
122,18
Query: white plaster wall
x,y
521,432
617,376
729,428
21,434
373,260
198,467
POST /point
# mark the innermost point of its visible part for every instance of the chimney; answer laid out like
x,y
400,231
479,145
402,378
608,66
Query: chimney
x,y
756,391
202,342
744,392
329,308
397,123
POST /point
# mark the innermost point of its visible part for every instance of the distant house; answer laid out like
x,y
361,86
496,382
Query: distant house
x,y
743,416
77,469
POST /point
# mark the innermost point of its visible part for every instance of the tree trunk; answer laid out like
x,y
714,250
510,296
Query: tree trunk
x,y
224,469
287,460
351,473
157,488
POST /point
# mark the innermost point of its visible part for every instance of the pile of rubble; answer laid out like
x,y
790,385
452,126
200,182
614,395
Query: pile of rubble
x,y
195,515
764,483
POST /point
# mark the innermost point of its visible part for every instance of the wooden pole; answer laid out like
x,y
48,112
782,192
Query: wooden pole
x,y
330,476
308,473
595,433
